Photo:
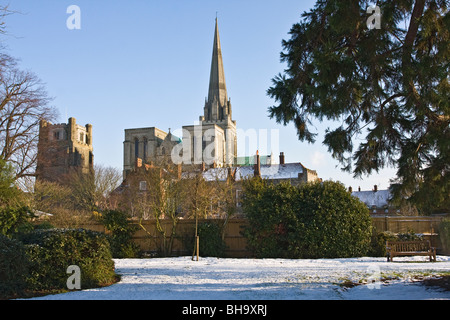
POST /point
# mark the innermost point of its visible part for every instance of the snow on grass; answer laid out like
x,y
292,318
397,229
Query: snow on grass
x,y
270,279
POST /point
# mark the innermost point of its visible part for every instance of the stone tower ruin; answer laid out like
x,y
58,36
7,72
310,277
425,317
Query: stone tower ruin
x,y
63,148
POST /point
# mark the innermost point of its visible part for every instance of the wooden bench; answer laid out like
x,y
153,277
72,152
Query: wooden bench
x,y
410,248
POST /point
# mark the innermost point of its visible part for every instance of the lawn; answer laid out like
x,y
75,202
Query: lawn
x,y
271,279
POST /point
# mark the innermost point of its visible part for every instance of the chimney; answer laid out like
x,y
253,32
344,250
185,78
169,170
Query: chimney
x,y
281,157
257,167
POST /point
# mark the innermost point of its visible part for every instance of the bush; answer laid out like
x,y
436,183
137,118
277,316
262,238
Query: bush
x,y
313,220
211,243
378,241
52,251
13,267
444,233
14,220
269,210
121,235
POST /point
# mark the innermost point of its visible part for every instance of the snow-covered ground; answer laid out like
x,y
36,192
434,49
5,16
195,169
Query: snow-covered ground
x,y
269,279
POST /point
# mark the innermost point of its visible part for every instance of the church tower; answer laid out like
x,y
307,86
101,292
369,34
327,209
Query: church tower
x,y
62,149
217,109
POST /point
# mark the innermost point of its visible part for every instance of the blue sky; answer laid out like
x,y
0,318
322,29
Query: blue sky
x,y
145,63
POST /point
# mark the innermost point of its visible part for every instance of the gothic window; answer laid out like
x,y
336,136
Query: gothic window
x,y
76,158
136,148
145,148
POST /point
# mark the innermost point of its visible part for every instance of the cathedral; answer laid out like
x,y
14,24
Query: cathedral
x,y
207,146
212,141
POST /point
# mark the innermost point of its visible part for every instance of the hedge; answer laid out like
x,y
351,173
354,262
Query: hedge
x,y
14,265
313,220
52,251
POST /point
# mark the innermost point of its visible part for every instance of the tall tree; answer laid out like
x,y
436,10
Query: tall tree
x,y
388,84
23,103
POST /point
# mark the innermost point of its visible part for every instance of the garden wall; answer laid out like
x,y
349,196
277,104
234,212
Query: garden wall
x,y
150,239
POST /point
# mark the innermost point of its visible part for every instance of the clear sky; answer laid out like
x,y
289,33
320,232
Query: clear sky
x,y
146,63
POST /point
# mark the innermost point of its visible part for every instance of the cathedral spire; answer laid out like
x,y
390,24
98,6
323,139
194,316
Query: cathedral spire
x,y
217,86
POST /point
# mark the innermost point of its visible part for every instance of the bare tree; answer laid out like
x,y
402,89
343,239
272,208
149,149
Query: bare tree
x,y
155,192
91,191
23,103
106,180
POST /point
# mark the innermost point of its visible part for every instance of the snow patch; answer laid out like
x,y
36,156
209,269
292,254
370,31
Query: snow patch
x,y
268,279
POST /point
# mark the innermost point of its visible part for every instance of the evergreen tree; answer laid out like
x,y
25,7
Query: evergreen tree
x,y
8,190
389,85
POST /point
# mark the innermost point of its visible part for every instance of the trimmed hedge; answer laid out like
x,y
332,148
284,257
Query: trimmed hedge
x,y
313,220
14,265
52,251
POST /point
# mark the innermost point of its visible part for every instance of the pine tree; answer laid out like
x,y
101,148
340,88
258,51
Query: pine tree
x,y
389,85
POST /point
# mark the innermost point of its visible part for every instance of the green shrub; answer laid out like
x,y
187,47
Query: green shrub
x,y
313,220
444,233
211,243
269,209
378,243
14,220
117,222
410,235
13,267
335,224
52,251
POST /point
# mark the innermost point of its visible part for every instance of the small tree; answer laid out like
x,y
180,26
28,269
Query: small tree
x,y
156,192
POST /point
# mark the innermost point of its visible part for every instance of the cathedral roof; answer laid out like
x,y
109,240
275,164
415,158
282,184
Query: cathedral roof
x,y
274,171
